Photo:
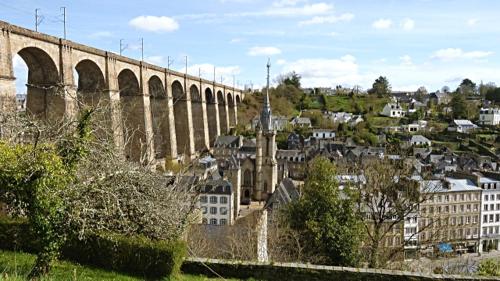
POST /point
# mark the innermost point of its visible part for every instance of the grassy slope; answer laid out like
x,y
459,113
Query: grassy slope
x,y
16,266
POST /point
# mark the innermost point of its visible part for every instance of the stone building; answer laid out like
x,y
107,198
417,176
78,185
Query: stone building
x,y
451,215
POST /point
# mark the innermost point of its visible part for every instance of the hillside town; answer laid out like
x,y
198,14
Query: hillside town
x,y
249,140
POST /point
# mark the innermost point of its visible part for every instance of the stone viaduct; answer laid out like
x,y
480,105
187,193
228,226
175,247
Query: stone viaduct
x,y
159,112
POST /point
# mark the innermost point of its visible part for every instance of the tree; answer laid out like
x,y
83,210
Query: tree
x,y
381,87
327,222
458,106
386,197
289,79
445,89
467,87
493,95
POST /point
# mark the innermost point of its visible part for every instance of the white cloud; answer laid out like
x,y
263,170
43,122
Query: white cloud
x,y
382,24
207,72
408,24
305,10
327,19
406,60
457,53
236,40
263,51
472,22
326,72
154,23
285,3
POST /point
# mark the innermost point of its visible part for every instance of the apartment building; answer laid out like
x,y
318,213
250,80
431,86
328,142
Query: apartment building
x,y
451,214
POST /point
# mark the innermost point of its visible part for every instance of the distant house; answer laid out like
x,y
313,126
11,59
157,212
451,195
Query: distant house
x,y
393,110
439,98
344,117
489,116
302,122
322,134
462,126
419,140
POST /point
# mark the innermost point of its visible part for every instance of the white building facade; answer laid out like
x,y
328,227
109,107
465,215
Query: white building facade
x,y
489,116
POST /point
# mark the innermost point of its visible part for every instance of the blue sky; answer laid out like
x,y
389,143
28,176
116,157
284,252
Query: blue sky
x,y
412,42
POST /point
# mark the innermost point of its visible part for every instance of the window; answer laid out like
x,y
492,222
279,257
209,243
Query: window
x,y
474,219
462,197
223,200
247,178
454,208
486,207
468,207
469,196
213,221
485,230
446,198
491,218
486,197
213,210
203,199
462,208
498,196
447,209
485,218
204,210
492,197
223,221
223,210
497,217
492,207
467,220
213,199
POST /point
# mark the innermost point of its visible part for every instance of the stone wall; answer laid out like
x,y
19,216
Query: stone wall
x,y
297,271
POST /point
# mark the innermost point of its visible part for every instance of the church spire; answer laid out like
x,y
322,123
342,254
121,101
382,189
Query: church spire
x,y
265,115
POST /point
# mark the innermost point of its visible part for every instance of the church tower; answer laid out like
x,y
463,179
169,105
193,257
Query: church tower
x,y
265,158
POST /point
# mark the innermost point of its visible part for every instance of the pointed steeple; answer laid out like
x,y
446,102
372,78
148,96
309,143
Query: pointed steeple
x,y
266,115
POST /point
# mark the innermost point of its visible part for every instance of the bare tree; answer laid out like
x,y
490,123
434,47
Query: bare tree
x,y
387,196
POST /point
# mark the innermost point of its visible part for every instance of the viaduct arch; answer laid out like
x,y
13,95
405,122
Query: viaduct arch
x,y
155,114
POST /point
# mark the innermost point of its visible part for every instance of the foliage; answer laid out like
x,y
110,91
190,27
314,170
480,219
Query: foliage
x,y
489,267
290,79
136,254
326,220
458,106
381,87
70,181
493,95
33,177
467,87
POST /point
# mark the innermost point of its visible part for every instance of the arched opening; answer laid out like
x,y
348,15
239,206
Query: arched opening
x,y
90,83
247,194
159,117
231,109
211,115
132,115
198,120
222,113
181,118
247,178
44,98
238,100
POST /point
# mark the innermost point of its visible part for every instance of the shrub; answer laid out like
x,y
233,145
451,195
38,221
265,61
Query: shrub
x,y
489,268
136,255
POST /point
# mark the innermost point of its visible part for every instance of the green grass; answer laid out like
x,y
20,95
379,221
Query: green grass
x,y
16,266
346,103
381,121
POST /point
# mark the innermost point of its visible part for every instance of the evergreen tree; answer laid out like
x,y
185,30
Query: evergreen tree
x,y
329,227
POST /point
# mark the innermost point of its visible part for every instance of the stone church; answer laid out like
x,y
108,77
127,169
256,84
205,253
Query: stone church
x,y
257,158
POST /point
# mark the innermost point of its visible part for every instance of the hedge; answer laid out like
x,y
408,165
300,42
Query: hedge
x,y
135,255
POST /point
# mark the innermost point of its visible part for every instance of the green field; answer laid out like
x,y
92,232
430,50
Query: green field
x,y
16,266
364,103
